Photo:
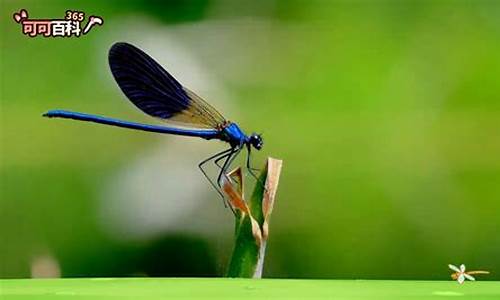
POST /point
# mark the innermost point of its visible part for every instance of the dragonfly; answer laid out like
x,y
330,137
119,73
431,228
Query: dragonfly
x,y
158,94
460,274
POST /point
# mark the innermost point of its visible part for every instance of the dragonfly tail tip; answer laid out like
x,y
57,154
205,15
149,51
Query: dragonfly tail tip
x,y
49,114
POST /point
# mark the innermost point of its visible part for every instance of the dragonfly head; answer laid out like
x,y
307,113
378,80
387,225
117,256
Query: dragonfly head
x,y
256,141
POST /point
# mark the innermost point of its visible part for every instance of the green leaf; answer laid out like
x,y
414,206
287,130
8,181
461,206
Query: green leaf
x,y
231,288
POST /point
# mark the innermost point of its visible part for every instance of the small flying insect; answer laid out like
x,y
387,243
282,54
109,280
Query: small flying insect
x,y
157,93
460,274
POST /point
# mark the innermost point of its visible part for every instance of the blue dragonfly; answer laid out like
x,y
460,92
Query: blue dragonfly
x,y
157,93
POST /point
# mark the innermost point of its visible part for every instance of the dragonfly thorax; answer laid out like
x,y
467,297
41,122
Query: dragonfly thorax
x,y
233,134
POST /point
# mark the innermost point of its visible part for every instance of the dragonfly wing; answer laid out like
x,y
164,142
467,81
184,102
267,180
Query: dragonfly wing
x,y
198,109
454,268
461,278
462,268
469,277
157,93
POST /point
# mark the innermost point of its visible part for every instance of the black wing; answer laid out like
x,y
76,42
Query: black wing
x,y
157,93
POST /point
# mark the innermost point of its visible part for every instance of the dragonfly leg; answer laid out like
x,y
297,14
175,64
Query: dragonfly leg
x,y
249,167
227,163
216,162
215,156
223,170
251,170
233,156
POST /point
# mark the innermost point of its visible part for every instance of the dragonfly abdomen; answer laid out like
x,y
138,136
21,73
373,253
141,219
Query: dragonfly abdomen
x,y
202,133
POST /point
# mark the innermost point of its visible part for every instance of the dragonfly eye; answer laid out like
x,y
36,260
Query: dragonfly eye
x,y
256,141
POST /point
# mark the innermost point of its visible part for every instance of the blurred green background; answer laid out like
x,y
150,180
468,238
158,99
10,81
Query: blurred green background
x,y
386,114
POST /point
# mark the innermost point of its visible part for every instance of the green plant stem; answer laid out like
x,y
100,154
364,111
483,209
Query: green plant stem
x,y
247,252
